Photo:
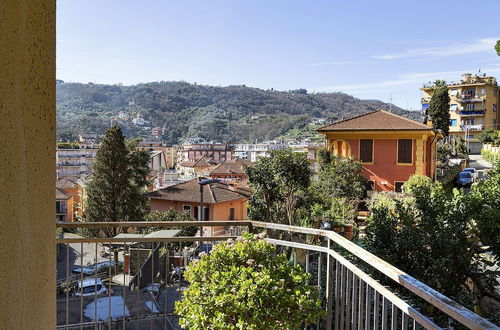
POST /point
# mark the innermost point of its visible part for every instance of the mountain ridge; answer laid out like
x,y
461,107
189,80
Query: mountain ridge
x,y
234,113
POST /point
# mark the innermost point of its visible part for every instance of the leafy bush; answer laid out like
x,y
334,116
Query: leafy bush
x,y
486,199
244,284
489,155
487,136
425,234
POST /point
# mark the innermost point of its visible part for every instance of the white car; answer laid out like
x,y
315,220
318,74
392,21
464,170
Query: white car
x,y
90,287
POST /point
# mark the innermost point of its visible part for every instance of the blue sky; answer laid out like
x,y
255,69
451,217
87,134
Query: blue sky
x,y
369,49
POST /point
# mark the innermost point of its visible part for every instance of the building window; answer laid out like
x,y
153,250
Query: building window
x,y
453,107
231,213
469,106
187,208
370,185
398,186
405,150
453,122
494,108
366,151
470,136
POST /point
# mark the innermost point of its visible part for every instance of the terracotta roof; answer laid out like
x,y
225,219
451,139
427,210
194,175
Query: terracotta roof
x,y
62,195
202,162
66,183
189,191
235,166
376,120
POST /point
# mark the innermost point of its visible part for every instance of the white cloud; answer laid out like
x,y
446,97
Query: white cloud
x,y
411,78
336,63
478,46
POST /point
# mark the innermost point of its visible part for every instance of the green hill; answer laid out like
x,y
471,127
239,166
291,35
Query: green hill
x,y
232,113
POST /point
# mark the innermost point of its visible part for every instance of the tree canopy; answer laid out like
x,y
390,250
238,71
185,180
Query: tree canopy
x,y
278,181
497,47
439,108
116,188
246,284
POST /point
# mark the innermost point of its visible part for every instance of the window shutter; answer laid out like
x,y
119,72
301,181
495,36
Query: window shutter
x,y
366,151
405,151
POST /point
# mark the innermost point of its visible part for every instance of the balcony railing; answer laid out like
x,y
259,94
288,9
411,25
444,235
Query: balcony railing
x,y
132,280
471,98
473,127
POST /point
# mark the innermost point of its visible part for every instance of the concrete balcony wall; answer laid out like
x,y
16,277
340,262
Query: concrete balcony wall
x,y
27,164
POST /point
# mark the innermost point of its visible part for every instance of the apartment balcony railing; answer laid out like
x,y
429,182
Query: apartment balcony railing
x,y
360,290
473,127
471,112
469,98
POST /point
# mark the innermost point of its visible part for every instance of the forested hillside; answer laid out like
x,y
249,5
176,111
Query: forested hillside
x,y
232,113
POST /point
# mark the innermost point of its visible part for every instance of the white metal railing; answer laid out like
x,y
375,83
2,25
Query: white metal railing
x,y
473,127
353,298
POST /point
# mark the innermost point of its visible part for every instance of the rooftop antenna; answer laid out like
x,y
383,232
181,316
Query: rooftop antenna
x,y
390,103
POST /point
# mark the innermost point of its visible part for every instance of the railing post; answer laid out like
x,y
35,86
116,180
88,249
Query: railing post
x,y
329,288
250,228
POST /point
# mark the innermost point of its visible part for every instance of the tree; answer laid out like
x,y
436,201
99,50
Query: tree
x,y
487,209
497,47
278,181
116,189
439,108
423,234
339,177
487,136
245,284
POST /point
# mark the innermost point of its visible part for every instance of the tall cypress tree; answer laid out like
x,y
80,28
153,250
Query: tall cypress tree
x,y
439,108
115,192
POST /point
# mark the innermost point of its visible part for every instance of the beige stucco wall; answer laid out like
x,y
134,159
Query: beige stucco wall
x,y
27,164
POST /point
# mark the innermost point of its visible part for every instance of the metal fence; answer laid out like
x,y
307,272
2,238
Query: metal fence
x,y
359,290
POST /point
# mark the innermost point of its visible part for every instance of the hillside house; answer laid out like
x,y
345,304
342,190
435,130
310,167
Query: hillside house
x,y
232,170
221,201
391,148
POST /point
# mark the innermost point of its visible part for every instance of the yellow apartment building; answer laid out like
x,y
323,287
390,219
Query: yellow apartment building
x,y
474,103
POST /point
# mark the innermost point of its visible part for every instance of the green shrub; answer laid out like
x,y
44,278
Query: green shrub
x,y
245,284
489,156
424,234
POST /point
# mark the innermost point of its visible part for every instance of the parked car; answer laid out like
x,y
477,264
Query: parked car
x,y
90,287
96,268
464,179
472,171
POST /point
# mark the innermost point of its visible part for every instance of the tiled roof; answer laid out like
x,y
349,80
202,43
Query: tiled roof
x,y
376,120
202,162
66,183
62,195
189,191
235,166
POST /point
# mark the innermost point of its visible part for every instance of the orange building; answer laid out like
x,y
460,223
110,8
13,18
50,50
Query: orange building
x,y
64,206
72,188
391,148
220,201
